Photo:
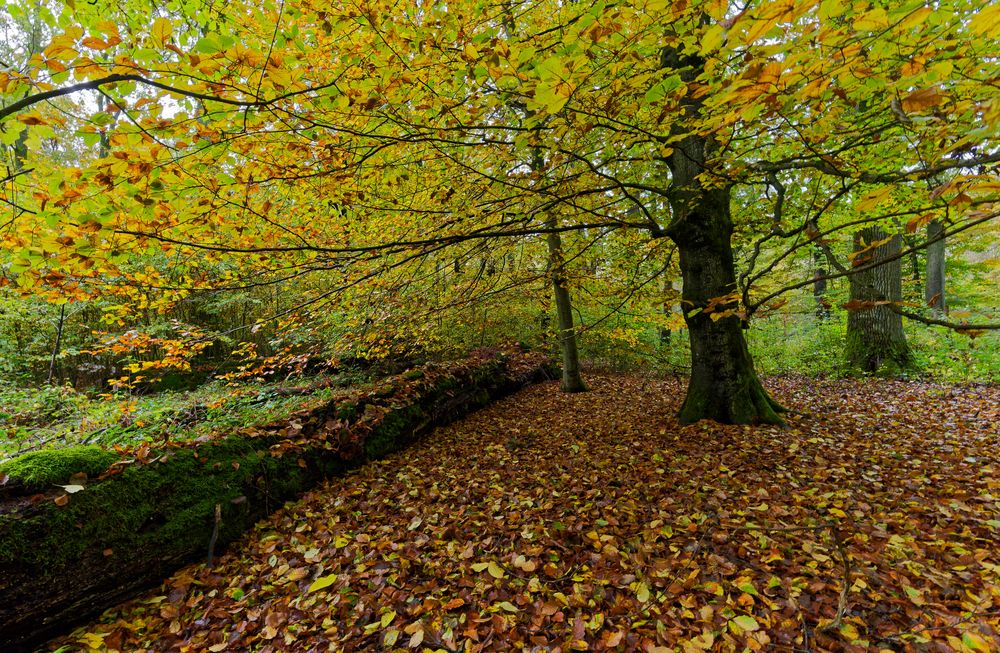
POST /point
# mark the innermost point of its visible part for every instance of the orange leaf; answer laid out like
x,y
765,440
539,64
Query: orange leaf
x,y
922,99
95,43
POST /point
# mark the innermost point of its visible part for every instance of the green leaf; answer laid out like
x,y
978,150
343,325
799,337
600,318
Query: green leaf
x,y
209,44
746,623
322,583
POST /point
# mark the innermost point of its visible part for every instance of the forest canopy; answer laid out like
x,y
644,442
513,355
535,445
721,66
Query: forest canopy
x,y
382,179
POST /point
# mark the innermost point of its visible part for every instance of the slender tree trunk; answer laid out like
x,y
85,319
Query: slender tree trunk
x,y
934,285
58,344
820,287
819,294
875,338
572,381
724,385
668,307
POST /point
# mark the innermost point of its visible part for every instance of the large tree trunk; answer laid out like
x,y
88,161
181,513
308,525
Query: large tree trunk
x,y
875,338
934,284
724,385
572,381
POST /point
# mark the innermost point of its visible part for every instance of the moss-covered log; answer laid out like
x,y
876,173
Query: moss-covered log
x,y
141,519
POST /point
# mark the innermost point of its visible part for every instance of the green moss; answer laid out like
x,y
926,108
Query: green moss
x,y
413,375
347,411
165,507
393,431
165,510
42,469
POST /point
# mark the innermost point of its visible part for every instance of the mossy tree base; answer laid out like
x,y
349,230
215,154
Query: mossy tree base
x,y
60,565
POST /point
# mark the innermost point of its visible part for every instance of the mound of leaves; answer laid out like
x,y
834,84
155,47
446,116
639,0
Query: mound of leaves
x,y
554,522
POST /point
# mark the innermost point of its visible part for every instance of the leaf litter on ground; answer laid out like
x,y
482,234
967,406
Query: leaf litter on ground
x,y
573,522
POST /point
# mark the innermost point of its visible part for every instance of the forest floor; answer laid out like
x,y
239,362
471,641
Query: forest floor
x,y
553,522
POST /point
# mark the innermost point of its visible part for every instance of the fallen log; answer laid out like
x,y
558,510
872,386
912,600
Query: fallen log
x,y
70,547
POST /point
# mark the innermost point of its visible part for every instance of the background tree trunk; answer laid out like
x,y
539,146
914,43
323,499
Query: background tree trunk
x,y
668,307
58,344
934,284
875,338
572,381
820,286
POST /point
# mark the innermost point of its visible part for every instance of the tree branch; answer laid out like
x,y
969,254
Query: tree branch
x,y
956,326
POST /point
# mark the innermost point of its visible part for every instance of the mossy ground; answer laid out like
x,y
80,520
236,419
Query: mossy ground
x,y
128,529
40,470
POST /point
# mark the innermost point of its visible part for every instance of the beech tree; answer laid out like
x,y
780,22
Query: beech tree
x,y
349,144
875,338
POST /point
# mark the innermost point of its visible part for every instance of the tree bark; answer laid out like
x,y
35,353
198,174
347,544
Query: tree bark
x,y
875,338
58,344
667,309
724,385
819,294
934,283
820,287
572,381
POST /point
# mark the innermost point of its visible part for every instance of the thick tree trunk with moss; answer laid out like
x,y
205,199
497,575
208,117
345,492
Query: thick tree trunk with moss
x,y
875,338
724,385
572,381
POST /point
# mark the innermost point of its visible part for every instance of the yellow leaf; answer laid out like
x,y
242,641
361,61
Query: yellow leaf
x,y
642,592
986,22
745,623
95,43
387,618
495,570
872,199
322,583
975,642
93,641
874,20
915,18
161,31
759,28
713,38
850,632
